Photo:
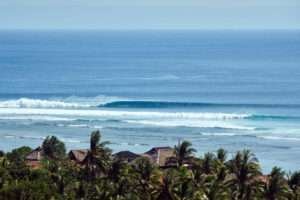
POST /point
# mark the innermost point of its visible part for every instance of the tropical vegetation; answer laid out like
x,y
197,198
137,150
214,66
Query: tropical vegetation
x,y
101,176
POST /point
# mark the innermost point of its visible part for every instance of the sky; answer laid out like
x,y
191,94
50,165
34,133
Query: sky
x,y
149,14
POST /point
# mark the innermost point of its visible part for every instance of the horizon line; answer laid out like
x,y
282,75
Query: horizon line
x,y
150,29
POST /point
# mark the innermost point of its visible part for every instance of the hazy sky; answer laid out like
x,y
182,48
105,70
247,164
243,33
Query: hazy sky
x,y
149,14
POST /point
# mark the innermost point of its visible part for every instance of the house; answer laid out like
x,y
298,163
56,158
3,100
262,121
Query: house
x,y
34,158
262,179
161,156
78,155
127,156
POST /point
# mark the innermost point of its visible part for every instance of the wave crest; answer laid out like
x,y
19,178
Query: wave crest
x,y
39,103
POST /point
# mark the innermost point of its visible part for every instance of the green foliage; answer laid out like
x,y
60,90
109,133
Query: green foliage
x,y
98,158
53,148
244,169
276,187
294,184
19,154
183,152
102,177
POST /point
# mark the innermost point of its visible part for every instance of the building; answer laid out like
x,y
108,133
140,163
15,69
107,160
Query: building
x,y
161,156
78,155
34,158
127,156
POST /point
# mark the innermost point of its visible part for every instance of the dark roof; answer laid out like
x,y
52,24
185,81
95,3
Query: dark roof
x,y
35,155
126,156
78,155
160,155
156,149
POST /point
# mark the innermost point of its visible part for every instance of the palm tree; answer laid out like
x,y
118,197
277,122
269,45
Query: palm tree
x,y
183,184
121,178
276,187
208,163
4,173
166,185
53,148
148,177
209,179
244,170
183,152
221,169
222,155
214,188
62,173
294,183
98,157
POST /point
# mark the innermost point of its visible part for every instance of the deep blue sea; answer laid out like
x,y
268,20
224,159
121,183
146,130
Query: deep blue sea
x,y
229,89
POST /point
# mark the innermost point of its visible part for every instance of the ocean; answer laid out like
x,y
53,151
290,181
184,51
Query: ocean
x,y
229,89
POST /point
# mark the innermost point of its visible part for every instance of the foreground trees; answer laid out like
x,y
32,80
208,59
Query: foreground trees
x,y
183,152
244,171
53,148
105,177
98,159
276,187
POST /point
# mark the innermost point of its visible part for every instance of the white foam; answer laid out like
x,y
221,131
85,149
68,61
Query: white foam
x,y
220,134
35,118
38,103
79,125
191,123
92,101
68,102
98,127
279,138
164,77
32,137
121,114
9,136
70,140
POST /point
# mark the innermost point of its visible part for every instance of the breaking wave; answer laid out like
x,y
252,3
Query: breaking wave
x,y
109,102
38,103
71,102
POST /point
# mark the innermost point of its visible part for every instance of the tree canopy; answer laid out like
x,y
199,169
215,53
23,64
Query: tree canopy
x,y
213,176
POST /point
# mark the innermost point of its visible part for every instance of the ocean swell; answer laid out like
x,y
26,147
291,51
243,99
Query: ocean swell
x,y
170,104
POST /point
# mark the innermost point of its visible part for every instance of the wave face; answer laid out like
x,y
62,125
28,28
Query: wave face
x,y
169,104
